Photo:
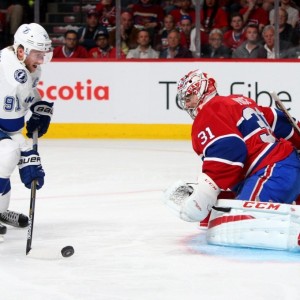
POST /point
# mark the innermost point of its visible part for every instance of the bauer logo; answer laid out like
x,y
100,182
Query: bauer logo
x,y
81,91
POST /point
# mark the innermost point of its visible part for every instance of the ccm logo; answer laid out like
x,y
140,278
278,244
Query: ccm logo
x,y
261,205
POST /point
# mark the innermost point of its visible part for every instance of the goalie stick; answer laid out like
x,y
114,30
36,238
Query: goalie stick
x,y
32,199
280,106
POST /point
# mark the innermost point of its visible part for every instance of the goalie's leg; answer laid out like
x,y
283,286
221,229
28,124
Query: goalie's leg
x,y
279,182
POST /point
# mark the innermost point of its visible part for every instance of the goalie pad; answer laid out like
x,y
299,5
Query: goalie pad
x,y
255,224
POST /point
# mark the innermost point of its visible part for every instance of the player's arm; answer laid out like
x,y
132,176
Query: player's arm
x,y
281,126
222,169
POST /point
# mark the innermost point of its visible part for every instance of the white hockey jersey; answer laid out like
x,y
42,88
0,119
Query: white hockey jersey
x,y
17,91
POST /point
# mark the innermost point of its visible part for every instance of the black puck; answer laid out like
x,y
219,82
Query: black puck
x,y
67,251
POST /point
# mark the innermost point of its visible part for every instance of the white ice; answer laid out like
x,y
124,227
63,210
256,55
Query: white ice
x,y
103,197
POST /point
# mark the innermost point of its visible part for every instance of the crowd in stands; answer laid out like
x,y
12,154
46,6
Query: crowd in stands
x,y
166,29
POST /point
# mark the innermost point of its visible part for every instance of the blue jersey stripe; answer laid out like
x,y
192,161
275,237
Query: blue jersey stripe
x,y
231,148
11,125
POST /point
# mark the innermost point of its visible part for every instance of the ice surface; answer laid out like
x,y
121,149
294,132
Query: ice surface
x,y
103,197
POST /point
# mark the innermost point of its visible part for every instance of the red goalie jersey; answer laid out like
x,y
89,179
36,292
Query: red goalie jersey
x,y
243,138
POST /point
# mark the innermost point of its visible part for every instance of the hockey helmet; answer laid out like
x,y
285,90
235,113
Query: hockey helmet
x,y
33,37
196,83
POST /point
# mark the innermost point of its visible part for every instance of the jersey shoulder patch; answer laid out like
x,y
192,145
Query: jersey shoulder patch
x,y
20,75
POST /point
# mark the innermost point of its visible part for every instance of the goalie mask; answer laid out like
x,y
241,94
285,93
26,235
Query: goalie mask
x,y
199,84
35,41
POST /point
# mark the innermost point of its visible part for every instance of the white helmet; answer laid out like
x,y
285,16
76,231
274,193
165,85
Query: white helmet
x,y
32,37
196,83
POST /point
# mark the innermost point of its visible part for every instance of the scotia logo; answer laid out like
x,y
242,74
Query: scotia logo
x,y
81,91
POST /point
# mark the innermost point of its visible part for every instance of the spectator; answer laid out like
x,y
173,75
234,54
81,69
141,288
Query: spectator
x,y
103,49
15,17
293,13
269,40
128,4
162,37
185,27
2,30
251,47
253,14
144,49
148,16
128,33
234,37
107,13
215,48
175,50
213,16
71,47
185,9
286,30
169,5
88,32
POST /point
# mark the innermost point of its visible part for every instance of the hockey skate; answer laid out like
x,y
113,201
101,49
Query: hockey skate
x,y
13,219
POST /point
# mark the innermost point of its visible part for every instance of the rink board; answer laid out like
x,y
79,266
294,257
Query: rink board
x,y
137,99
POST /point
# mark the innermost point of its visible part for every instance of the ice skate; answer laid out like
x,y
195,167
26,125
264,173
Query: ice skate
x,y
13,219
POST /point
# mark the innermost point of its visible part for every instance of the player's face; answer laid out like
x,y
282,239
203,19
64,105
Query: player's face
x,y
191,101
36,58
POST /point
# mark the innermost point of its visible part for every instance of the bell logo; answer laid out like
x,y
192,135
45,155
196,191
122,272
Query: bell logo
x,y
80,91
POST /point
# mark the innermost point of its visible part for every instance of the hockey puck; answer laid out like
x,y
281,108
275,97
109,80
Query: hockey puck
x,y
67,251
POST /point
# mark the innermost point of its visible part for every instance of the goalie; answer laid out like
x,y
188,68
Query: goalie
x,y
245,148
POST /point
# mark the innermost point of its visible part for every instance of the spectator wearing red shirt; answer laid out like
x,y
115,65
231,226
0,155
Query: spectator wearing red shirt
x,y
107,13
104,49
253,14
185,9
185,28
235,36
71,48
148,16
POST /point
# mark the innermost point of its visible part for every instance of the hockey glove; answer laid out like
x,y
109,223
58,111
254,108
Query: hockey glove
x,y
30,168
41,116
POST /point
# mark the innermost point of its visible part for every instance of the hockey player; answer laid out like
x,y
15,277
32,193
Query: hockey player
x,y
244,147
19,75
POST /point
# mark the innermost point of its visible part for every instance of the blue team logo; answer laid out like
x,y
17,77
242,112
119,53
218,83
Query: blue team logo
x,y
20,76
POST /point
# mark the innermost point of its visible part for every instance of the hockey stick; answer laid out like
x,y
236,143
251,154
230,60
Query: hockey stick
x,y
32,198
280,106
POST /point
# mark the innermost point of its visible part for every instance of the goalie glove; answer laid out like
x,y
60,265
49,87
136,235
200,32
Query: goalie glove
x,y
192,202
175,196
30,169
41,116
